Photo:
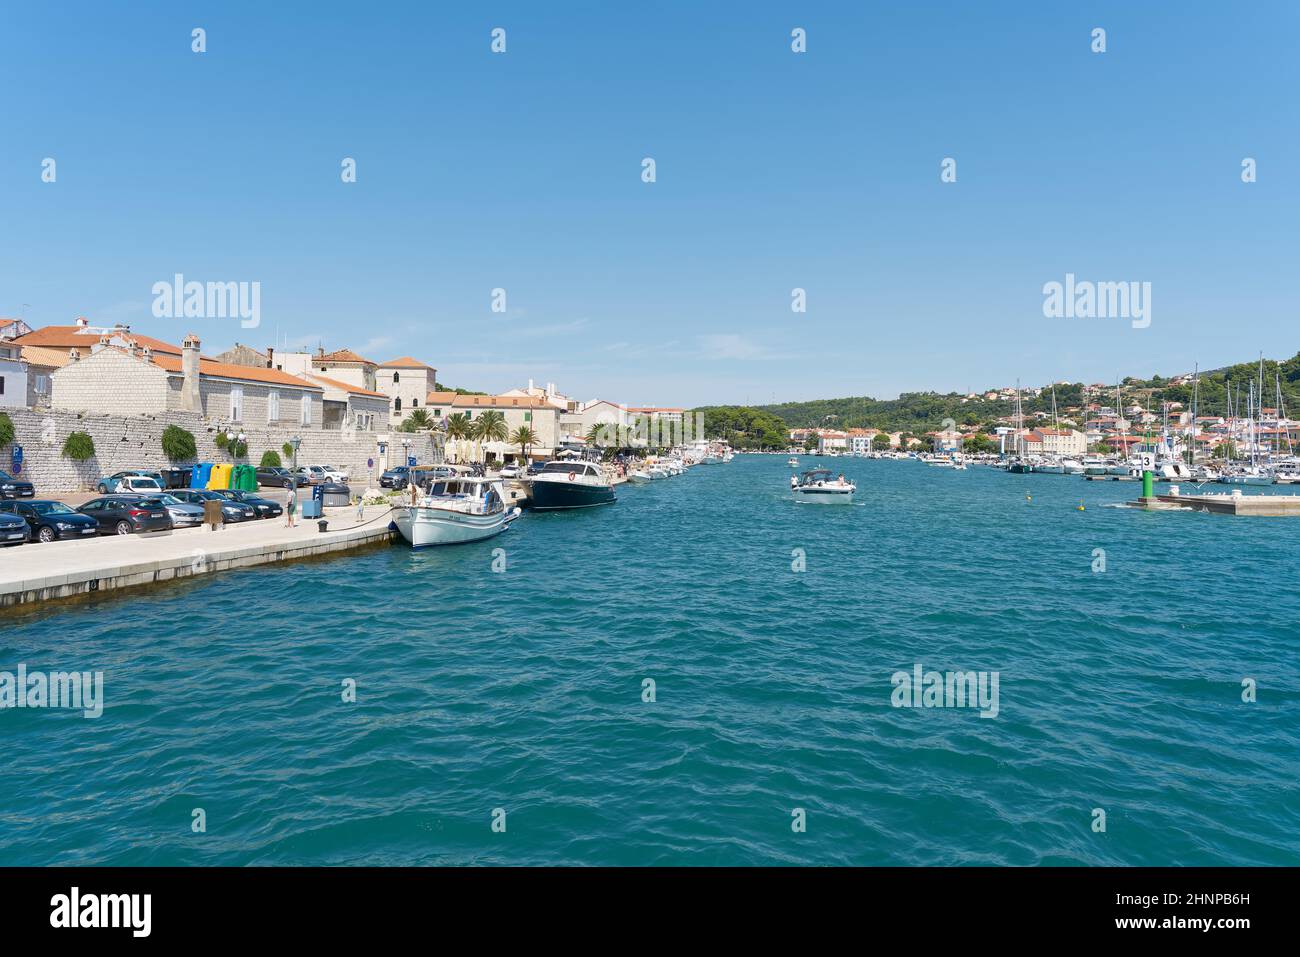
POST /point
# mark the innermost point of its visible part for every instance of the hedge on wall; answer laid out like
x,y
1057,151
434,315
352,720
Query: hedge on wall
x,y
270,459
79,446
178,444
6,429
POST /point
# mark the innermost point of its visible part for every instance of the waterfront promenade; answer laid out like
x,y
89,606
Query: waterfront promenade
x,y
53,570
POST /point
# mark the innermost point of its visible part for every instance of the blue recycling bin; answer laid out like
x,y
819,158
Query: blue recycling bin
x,y
311,508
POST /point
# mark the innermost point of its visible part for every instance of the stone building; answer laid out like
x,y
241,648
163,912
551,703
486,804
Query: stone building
x,y
531,411
407,382
129,379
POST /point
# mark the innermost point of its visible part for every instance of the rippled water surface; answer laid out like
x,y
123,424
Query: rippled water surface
x,y
522,690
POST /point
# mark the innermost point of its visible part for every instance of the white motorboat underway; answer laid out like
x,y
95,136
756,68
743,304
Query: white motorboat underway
x,y
821,487
638,476
792,462
465,508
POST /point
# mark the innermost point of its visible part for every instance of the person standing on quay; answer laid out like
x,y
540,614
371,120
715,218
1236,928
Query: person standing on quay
x,y
291,505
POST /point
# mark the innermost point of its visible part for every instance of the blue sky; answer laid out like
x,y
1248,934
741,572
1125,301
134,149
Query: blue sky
x,y
774,171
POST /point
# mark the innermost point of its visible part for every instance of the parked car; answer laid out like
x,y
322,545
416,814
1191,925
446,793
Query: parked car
x,y
13,529
46,521
310,475
124,514
231,511
510,471
335,475
11,487
182,513
395,477
274,477
262,507
113,483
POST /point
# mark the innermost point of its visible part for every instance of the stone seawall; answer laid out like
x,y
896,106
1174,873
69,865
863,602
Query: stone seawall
x,y
124,442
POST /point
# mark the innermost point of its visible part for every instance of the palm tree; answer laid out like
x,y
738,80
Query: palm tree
x,y
523,437
418,421
458,426
490,427
595,435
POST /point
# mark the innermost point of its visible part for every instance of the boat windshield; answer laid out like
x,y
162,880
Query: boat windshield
x,y
581,468
817,475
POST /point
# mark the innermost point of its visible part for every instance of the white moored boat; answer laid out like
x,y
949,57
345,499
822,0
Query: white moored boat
x,y
450,511
821,487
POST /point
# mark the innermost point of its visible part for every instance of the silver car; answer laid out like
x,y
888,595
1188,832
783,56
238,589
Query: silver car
x,y
182,514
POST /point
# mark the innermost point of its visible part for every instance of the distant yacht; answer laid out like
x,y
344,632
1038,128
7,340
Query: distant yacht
x,y
821,487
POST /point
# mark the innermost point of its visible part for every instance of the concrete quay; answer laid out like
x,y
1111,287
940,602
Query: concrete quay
x,y
35,573
1232,503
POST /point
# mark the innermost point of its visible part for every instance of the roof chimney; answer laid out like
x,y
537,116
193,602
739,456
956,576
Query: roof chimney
x,y
82,322
191,400
74,355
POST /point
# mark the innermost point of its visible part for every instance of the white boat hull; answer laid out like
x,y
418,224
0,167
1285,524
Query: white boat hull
x,y
425,527
825,495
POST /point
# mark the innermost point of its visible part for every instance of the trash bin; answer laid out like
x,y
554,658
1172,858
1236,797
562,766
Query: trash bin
x,y
176,477
220,477
334,494
200,474
248,481
311,508
212,513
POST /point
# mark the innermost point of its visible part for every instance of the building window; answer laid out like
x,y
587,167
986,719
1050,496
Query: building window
x,y
272,406
306,409
415,403
2,385
397,404
528,417
397,377
236,404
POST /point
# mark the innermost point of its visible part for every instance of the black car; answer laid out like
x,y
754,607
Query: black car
x,y
13,530
273,477
46,521
11,487
395,478
124,514
231,509
264,507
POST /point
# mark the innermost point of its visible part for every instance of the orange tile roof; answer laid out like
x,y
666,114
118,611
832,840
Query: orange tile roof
x,y
342,355
79,337
353,389
440,398
225,370
405,362
41,356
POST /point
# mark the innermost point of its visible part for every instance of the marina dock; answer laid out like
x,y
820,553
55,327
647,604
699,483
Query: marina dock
x,y
1231,503
53,570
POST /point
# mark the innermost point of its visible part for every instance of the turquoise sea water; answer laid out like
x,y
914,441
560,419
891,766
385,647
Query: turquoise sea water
x,y
522,690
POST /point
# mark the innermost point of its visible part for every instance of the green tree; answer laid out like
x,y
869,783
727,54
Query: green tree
x,y
458,426
79,446
6,429
418,421
178,444
270,460
523,437
880,442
